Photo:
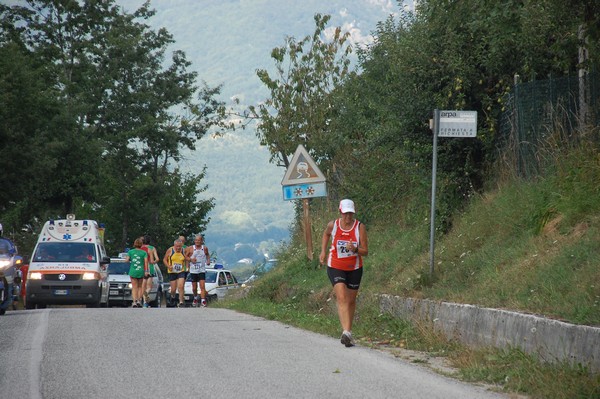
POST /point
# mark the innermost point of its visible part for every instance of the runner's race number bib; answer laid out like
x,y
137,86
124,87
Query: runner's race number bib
x,y
197,267
342,249
177,267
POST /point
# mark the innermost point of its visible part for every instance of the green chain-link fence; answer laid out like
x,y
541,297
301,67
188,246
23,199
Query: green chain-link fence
x,y
545,113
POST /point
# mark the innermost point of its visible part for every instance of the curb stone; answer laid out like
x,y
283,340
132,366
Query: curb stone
x,y
550,340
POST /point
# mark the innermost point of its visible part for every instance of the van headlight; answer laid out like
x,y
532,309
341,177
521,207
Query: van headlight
x,y
35,276
89,276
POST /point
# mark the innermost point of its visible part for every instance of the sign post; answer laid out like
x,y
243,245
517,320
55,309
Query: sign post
x,y
436,123
303,180
307,229
446,124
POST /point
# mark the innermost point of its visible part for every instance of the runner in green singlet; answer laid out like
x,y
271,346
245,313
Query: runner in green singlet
x,y
138,268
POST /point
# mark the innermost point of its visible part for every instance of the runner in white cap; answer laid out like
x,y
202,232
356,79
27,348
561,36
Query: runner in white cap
x,y
344,264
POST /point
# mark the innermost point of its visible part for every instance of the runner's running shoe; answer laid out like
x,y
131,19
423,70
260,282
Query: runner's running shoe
x,y
346,339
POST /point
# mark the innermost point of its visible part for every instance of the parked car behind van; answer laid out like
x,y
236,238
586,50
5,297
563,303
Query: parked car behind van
x,y
120,284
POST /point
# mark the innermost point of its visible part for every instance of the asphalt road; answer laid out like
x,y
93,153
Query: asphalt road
x,y
197,352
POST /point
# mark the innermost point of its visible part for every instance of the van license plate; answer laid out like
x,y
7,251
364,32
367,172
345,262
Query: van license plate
x,y
61,292
115,292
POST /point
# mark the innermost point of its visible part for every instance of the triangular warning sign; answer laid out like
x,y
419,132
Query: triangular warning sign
x,y
302,169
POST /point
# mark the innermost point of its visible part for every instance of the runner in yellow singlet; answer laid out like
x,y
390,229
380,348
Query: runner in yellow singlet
x,y
177,266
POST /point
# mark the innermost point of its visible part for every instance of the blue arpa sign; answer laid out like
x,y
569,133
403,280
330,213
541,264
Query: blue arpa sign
x,y
301,191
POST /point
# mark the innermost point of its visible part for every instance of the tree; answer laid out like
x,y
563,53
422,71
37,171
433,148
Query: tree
x,y
447,55
150,146
587,13
119,118
299,109
27,110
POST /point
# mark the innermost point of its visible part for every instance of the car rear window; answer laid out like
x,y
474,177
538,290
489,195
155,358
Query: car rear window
x,y
211,276
118,268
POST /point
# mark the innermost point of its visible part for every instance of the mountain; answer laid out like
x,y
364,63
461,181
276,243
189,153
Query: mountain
x,y
227,41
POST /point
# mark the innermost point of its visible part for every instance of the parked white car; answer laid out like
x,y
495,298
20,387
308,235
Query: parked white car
x,y
119,292
218,282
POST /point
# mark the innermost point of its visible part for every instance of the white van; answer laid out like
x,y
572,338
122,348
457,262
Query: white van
x,y
68,266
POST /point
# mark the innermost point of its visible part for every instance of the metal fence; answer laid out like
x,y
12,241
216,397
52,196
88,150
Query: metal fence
x,y
543,114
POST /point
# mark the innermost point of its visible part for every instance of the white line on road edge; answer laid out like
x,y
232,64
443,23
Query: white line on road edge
x,y
37,352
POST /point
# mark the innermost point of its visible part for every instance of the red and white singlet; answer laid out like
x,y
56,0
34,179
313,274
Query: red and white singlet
x,y
339,256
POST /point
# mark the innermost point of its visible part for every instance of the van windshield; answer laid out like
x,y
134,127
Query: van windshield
x,y
65,252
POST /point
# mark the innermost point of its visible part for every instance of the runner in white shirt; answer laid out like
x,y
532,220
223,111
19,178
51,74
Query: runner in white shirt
x,y
199,258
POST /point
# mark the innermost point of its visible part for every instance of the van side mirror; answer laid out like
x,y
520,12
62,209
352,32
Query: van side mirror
x,y
105,260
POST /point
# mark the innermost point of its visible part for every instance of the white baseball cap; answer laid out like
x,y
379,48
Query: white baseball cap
x,y
347,205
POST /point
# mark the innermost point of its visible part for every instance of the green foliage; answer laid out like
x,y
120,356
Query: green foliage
x,y
535,255
97,112
577,177
28,134
519,372
449,55
299,108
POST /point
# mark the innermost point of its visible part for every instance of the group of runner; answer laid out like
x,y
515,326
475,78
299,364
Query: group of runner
x,y
180,260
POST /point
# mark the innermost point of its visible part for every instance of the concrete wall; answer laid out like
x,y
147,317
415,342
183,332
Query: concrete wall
x,y
550,340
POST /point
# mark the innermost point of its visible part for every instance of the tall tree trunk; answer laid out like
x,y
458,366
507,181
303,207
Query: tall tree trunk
x,y
125,228
583,73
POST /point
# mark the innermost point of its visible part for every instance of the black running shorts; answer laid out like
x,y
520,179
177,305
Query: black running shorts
x,y
350,278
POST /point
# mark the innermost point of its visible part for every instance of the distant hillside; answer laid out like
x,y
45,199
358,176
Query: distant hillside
x,y
226,41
